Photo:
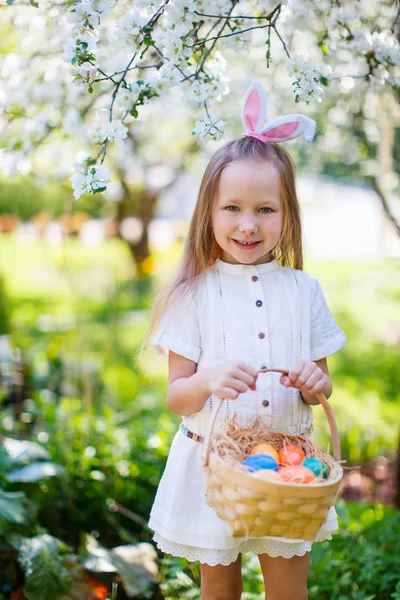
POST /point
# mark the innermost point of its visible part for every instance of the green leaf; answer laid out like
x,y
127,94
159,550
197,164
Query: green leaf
x,y
11,509
22,451
135,564
35,472
5,460
45,576
99,190
95,557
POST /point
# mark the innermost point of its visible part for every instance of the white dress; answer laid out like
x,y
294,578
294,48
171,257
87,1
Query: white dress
x,y
265,315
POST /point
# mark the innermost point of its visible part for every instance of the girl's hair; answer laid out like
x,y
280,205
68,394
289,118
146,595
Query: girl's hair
x,y
201,249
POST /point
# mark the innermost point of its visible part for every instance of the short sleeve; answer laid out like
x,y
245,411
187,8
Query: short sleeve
x,y
179,329
326,337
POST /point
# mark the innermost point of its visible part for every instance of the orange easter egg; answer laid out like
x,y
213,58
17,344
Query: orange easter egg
x,y
267,475
265,449
297,474
291,455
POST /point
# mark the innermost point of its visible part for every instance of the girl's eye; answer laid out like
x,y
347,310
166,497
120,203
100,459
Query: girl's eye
x,y
265,209
232,208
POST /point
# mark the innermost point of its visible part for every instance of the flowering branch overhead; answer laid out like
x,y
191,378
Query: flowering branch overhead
x,y
135,52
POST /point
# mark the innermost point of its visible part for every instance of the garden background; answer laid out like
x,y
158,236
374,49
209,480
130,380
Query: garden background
x,y
83,420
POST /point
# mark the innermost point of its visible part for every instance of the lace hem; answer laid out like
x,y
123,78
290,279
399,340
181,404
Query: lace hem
x,y
273,548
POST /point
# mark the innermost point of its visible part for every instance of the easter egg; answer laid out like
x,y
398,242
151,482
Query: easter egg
x,y
298,474
291,455
265,449
267,475
316,466
260,461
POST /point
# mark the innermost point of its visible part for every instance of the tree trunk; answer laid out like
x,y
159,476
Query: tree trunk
x,y
146,210
388,116
144,202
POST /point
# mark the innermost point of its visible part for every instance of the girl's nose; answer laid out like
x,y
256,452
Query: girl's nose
x,y
248,225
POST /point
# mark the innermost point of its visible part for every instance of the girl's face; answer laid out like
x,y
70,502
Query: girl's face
x,y
247,212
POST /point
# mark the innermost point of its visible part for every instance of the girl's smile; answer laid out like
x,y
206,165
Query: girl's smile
x,y
246,245
247,212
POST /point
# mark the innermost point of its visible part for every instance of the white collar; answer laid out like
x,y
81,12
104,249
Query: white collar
x,y
240,269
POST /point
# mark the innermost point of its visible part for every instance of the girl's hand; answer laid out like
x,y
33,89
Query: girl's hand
x,y
307,377
231,379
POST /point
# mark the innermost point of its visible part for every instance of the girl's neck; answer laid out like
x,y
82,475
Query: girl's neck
x,y
227,258
242,269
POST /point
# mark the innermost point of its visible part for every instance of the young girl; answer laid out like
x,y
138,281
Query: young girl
x,y
240,301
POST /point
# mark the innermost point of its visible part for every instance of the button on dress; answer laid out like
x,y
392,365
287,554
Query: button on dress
x,y
262,315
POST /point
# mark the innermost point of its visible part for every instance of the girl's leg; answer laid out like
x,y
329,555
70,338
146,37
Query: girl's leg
x,y
285,578
220,582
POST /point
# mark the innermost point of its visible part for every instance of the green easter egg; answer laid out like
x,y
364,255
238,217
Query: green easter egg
x,y
316,466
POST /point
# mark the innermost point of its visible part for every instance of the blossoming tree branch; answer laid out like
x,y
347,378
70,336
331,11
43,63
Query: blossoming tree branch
x,y
122,55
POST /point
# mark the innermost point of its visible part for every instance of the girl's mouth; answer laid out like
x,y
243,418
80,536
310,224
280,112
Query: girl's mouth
x,y
245,245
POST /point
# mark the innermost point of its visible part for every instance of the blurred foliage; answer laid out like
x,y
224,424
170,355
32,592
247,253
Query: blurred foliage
x,y
4,309
361,562
38,566
26,196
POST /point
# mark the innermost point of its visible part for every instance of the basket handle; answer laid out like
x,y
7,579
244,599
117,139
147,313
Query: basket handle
x,y
321,399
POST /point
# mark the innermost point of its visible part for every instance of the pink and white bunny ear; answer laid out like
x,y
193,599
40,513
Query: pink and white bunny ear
x,y
288,127
254,108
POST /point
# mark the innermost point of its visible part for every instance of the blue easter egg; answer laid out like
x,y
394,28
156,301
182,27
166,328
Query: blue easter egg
x,y
316,466
261,461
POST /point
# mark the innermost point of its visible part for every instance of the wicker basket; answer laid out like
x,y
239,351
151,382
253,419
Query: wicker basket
x,y
256,508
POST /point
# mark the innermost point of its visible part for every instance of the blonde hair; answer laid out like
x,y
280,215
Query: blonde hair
x,y
201,250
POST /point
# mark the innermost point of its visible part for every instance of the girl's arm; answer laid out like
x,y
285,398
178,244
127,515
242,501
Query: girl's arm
x,y
189,389
309,377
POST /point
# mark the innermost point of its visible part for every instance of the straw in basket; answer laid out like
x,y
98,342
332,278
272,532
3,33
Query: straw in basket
x,y
255,508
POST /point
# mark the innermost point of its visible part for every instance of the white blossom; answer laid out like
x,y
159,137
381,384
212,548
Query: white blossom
x,y
309,92
216,67
199,92
111,131
342,15
129,29
387,49
85,13
173,45
239,40
306,84
103,6
209,128
136,90
84,74
181,10
84,42
82,14
169,75
92,179
298,14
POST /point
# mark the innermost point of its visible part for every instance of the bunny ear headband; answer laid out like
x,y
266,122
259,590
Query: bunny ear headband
x,y
281,129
